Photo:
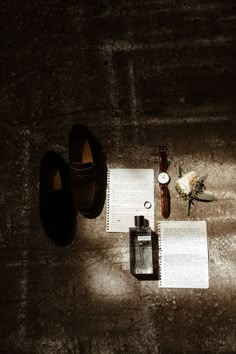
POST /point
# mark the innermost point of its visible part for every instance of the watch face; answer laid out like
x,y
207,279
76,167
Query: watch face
x,y
163,178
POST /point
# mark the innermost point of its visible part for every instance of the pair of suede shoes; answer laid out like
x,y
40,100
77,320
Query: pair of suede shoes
x,y
66,189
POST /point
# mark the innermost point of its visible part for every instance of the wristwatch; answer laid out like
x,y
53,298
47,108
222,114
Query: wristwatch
x,y
163,179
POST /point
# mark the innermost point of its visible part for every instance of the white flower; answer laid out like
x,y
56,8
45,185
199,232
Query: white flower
x,y
187,183
191,187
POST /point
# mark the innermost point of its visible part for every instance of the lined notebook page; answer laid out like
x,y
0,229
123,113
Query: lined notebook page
x,y
127,192
183,254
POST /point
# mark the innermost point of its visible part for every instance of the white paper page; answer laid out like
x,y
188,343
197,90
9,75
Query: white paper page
x,y
183,254
128,190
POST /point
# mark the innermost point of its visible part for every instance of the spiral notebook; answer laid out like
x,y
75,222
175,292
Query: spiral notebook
x,y
130,192
183,254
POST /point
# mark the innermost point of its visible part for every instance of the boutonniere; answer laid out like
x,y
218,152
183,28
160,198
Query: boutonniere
x,y
191,187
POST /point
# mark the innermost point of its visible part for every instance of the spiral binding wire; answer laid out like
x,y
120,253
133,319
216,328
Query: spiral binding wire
x,y
108,201
160,251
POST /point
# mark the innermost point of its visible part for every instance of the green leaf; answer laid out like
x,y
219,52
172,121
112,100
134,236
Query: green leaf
x,y
206,197
203,178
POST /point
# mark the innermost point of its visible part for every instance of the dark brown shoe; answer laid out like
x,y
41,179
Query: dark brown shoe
x,y
88,171
56,204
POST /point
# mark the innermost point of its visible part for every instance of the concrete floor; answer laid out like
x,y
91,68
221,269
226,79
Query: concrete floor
x,y
139,74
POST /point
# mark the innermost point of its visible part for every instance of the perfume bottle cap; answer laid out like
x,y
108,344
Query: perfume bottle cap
x,y
139,220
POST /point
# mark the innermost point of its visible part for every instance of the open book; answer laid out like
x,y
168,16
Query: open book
x,y
183,254
130,192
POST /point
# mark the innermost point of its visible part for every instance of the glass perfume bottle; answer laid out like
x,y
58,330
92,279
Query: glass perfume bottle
x,y
140,242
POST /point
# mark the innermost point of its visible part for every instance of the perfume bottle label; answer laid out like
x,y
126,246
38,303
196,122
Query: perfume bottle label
x,y
144,237
143,258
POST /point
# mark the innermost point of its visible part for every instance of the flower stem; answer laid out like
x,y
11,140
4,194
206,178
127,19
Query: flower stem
x,y
189,207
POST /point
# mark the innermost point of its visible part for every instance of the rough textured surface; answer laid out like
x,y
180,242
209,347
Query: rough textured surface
x,y
139,74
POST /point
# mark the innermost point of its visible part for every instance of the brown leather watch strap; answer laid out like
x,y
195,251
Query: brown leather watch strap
x,y
163,163
165,201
